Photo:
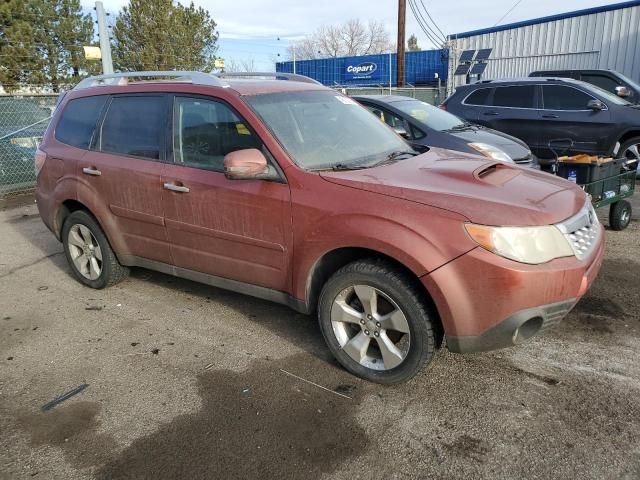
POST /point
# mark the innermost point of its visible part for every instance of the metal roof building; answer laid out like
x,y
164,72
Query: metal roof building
x,y
606,37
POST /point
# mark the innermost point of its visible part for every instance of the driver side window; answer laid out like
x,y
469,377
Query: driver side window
x,y
205,131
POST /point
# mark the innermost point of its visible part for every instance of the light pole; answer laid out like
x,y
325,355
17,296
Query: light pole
x,y
293,53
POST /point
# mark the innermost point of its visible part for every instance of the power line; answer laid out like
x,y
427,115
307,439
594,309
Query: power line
x,y
418,18
508,12
432,20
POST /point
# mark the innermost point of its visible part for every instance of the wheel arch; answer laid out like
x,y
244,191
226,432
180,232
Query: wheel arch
x,y
333,260
67,207
628,135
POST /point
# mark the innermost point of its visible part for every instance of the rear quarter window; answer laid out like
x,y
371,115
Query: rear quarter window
x,y
479,97
78,121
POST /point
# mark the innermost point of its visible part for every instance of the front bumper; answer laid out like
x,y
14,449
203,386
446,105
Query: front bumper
x,y
487,302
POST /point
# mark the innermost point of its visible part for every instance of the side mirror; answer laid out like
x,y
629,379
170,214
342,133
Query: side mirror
x,y
401,131
623,92
248,164
596,105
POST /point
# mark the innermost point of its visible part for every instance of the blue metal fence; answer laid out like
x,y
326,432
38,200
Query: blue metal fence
x,y
420,69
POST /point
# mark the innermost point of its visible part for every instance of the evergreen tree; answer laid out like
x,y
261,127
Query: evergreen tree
x,y
161,35
18,56
61,32
412,43
41,43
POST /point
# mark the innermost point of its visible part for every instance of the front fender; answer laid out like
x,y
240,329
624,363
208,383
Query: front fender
x,y
420,247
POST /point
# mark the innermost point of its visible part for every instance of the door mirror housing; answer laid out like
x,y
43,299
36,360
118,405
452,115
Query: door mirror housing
x,y
623,92
248,164
596,105
401,131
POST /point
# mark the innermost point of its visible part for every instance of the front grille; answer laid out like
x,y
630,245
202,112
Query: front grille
x,y
582,231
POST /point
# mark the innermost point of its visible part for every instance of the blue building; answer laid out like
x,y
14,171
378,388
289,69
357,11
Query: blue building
x,y
420,69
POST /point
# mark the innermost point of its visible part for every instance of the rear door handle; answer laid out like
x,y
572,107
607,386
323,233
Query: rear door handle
x,y
176,188
490,113
91,171
550,115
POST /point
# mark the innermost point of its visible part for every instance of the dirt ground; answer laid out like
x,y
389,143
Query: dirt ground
x,y
188,381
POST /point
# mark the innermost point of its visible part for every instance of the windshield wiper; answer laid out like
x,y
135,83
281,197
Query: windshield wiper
x,y
392,157
342,166
461,126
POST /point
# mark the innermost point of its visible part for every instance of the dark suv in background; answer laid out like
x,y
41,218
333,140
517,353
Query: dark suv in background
x,y
542,110
609,80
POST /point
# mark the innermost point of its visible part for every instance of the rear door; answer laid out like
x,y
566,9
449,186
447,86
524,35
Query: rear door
x,y
234,229
565,115
511,109
124,171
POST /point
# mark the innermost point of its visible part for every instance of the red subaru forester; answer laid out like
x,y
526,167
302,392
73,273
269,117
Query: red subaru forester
x,y
286,190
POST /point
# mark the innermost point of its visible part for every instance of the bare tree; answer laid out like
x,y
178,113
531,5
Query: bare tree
x,y
349,39
246,65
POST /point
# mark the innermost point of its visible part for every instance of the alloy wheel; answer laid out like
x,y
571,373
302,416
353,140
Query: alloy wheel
x,y
85,251
632,152
370,327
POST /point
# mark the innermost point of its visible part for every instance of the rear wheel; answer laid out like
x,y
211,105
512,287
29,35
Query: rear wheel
x,y
620,215
376,322
88,252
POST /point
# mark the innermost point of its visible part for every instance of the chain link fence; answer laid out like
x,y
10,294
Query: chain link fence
x,y
434,96
23,120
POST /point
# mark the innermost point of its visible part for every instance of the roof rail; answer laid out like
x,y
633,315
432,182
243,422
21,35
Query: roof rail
x,y
277,75
199,78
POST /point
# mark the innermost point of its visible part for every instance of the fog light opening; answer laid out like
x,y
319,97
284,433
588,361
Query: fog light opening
x,y
527,330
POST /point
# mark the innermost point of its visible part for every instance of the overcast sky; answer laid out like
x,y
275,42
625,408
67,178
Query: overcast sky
x,y
249,28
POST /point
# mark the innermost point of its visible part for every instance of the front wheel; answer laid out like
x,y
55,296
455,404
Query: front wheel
x,y
620,215
376,322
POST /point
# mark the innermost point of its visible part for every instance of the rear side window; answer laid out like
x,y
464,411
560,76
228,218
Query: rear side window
x,y
521,96
479,97
78,121
134,126
559,97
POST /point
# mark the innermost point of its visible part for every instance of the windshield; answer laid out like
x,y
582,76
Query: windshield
x,y
629,82
607,96
431,116
323,129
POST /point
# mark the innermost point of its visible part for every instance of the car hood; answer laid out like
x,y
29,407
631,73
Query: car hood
x,y
483,191
513,147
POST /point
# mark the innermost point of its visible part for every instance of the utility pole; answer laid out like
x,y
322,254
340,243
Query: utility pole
x,y
402,17
105,44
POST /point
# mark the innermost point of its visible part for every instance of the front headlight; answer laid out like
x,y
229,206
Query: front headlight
x,y
491,152
531,245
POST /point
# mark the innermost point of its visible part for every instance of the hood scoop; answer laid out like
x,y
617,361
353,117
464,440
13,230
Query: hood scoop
x,y
496,174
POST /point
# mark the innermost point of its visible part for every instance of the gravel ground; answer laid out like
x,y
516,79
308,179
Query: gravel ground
x,y
187,381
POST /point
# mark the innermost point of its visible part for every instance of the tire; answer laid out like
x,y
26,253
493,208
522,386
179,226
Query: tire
x,y
630,150
359,346
619,215
83,237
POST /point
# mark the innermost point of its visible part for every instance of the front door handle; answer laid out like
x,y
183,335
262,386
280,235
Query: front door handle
x,y
549,115
176,188
490,113
91,171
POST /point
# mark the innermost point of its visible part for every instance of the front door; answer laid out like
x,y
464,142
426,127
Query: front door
x,y
565,115
235,229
